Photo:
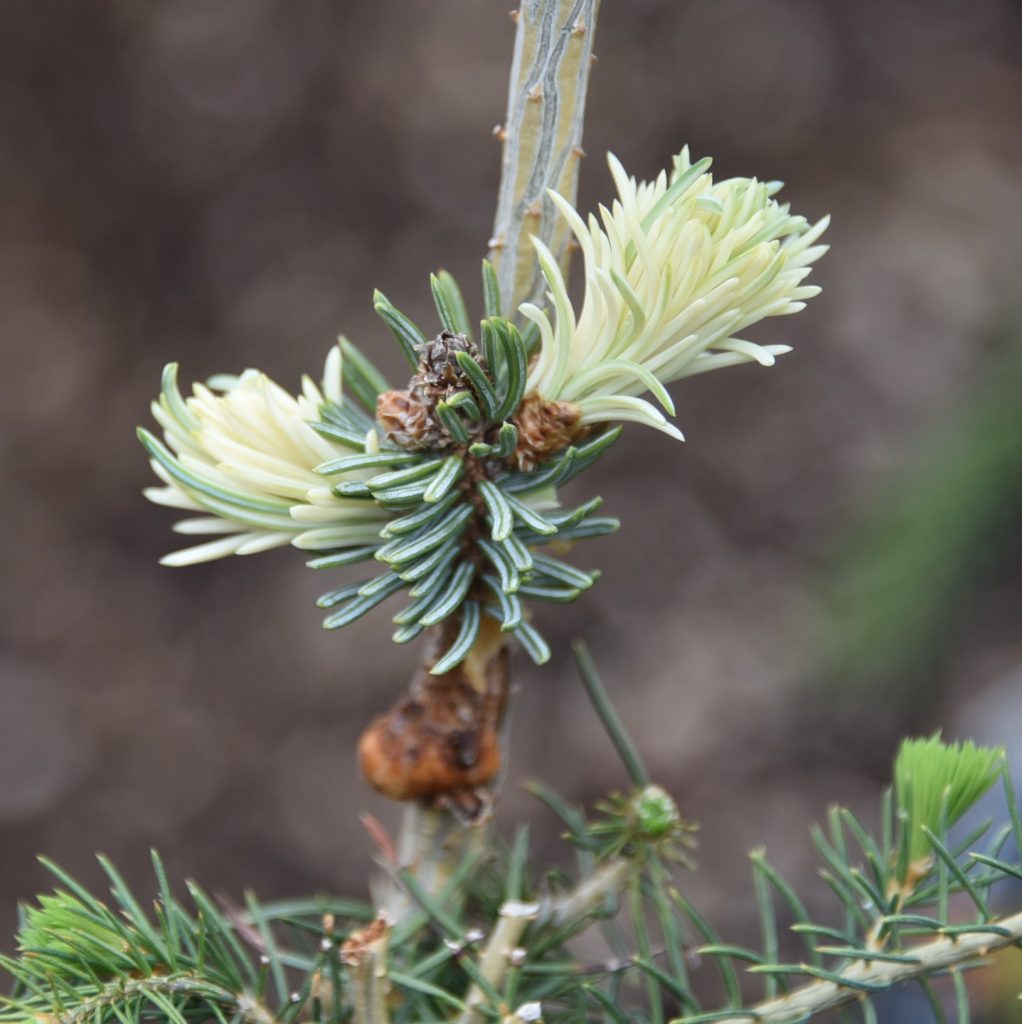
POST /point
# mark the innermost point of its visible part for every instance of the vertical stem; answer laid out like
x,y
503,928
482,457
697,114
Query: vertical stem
x,y
496,955
431,844
365,956
589,895
542,137
432,839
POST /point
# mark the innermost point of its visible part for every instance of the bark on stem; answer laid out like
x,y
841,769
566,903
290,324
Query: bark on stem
x,y
364,954
542,137
496,955
819,996
608,879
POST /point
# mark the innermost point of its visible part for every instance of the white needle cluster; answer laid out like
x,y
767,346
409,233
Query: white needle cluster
x,y
242,452
675,269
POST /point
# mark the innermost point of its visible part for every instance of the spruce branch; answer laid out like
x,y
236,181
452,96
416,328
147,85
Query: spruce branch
x,y
872,975
79,960
591,894
452,484
171,997
542,138
493,940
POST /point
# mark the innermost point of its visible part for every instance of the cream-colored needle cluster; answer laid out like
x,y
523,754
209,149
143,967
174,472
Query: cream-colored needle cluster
x,y
242,452
674,271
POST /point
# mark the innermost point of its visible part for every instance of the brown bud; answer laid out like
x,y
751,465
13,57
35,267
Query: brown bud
x,y
407,754
407,419
543,429
439,374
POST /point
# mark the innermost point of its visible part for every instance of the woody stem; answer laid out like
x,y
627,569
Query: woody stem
x,y
542,138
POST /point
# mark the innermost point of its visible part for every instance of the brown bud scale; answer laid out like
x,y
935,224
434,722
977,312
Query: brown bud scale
x,y
544,428
408,417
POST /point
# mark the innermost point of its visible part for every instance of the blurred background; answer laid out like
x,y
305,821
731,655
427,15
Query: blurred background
x,y
832,560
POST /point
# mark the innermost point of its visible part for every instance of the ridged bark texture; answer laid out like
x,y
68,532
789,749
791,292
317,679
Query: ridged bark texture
x,y
542,136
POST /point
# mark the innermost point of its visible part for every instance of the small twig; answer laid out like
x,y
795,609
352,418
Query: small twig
x,y
365,955
119,992
496,955
819,996
542,138
589,894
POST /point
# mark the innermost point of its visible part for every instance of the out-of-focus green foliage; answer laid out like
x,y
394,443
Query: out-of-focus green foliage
x,y
908,574
495,943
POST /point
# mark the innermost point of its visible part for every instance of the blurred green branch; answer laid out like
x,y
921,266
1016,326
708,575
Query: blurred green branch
x,y
903,582
498,940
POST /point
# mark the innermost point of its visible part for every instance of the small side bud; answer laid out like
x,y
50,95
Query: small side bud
x,y
656,813
544,428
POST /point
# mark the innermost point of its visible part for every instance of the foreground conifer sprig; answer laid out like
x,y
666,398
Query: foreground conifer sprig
x,y
936,784
495,943
432,481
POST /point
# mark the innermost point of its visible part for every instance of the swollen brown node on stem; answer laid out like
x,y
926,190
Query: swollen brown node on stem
x,y
440,741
